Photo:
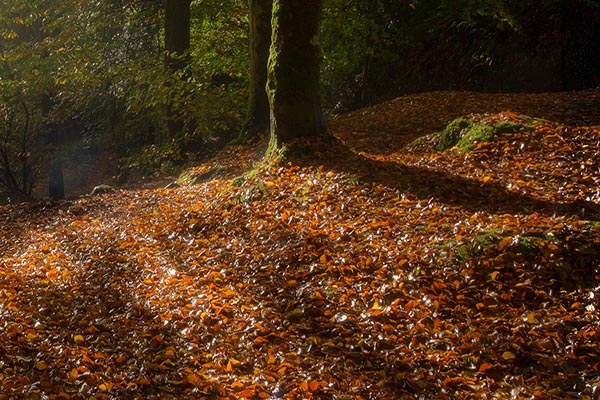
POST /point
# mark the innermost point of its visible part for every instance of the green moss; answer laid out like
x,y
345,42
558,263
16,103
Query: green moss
x,y
463,133
529,244
486,238
534,119
511,127
476,134
353,180
463,252
451,135
418,140
594,224
187,178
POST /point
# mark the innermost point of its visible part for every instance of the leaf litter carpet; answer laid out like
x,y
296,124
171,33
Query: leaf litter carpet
x,y
379,269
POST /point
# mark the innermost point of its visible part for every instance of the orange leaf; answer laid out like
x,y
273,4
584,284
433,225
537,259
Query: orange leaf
x,y
194,379
313,386
505,242
485,367
247,393
41,365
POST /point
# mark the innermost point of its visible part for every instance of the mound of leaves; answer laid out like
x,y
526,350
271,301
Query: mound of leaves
x,y
357,274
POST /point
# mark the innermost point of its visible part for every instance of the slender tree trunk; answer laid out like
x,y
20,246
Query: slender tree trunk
x,y
56,185
177,34
257,120
177,46
294,71
364,86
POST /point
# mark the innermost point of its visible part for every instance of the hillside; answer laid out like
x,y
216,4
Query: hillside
x,y
382,268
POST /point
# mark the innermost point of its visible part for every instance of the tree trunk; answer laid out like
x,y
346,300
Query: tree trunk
x,y
293,71
177,46
177,34
257,120
56,185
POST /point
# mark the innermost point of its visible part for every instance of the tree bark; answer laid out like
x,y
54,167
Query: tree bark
x,y
294,71
177,46
257,120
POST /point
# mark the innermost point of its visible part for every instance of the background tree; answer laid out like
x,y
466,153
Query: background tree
x,y
257,120
177,52
294,71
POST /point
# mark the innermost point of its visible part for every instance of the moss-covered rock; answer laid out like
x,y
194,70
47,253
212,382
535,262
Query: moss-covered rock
x,y
476,134
512,127
451,135
464,133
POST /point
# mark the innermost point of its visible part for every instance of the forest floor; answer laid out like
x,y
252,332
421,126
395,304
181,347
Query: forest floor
x,y
379,268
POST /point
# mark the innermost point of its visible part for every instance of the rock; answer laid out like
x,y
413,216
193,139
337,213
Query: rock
x,y
101,189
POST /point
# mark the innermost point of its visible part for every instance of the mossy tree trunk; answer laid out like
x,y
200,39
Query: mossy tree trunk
x,y
177,47
294,72
257,120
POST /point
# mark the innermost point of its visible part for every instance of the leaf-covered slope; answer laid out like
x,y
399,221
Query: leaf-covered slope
x,y
381,274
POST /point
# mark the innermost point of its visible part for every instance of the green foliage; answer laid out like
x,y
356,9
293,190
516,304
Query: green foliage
x,y
356,36
26,62
152,159
378,49
96,69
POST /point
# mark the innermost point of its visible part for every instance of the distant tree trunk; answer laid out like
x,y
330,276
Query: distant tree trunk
x,y
257,120
364,85
56,185
177,47
294,71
